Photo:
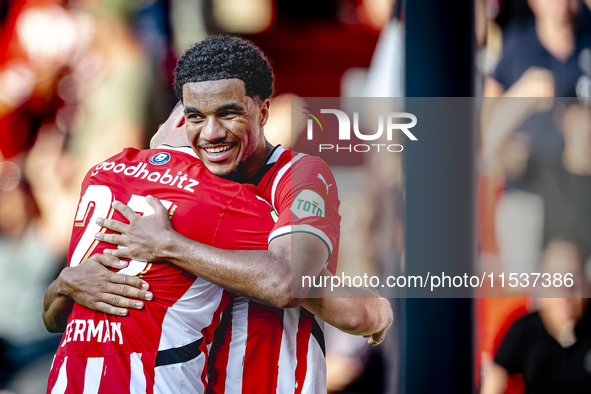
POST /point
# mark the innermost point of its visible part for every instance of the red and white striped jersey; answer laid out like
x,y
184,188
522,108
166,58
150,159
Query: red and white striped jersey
x,y
164,347
259,349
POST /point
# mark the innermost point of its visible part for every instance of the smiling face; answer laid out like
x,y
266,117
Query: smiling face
x,y
225,127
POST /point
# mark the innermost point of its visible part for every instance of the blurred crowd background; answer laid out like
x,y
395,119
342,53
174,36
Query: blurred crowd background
x,y
82,79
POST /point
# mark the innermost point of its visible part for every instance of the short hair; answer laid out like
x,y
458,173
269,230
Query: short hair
x,y
217,58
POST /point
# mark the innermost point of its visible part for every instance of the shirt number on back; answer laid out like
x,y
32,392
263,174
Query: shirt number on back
x,y
100,198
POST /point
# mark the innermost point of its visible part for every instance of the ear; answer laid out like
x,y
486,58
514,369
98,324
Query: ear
x,y
264,112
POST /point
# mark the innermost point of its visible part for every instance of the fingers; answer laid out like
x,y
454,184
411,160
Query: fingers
x,y
92,285
115,239
122,302
377,338
132,282
109,309
109,261
121,295
113,225
127,212
122,253
156,204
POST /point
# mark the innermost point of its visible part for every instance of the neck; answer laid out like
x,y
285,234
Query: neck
x,y
556,38
259,158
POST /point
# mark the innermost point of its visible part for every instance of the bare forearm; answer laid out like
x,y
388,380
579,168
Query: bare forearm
x,y
56,308
356,311
260,275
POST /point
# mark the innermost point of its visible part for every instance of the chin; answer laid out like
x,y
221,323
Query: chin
x,y
235,174
223,171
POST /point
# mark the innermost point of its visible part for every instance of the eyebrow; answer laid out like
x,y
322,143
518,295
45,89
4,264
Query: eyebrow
x,y
190,109
233,106
224,107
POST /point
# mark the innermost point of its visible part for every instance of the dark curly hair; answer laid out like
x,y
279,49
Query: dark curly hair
x,y
218,58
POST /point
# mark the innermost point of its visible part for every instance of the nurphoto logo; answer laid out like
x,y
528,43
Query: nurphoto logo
x,y
391,123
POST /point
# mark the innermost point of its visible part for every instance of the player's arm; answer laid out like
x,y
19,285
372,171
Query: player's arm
x,y
94,286
356,311
56,308
260,275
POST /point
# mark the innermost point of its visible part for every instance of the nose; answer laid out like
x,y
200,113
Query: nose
x,y
212,130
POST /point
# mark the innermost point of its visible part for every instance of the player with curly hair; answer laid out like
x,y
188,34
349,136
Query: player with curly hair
x,y
266,341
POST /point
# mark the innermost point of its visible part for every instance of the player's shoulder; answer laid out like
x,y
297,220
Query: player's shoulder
x,y
130,161
160,155
281,157
157,156
289,162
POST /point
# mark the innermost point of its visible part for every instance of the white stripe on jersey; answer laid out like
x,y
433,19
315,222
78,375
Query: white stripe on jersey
x,y
235,367
182,325
302,228
137,385
280,174
93,374
287,353
182,378
315,380
275,156
62,379
190,314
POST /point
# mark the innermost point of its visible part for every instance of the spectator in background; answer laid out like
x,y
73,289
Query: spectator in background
x,y
541,59
563,182
28,263
550,347
72,76
530,145
546,57
549,56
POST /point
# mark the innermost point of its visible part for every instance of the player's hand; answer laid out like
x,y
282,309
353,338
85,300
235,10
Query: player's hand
x,y
377,337
94,286
141,239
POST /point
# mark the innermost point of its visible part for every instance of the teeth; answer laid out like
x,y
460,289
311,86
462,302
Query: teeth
x,y
217,151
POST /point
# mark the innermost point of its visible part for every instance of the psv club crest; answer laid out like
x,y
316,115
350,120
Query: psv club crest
x,y
160,158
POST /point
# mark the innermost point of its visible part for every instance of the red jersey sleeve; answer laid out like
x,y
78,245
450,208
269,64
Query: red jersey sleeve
x,y
305,196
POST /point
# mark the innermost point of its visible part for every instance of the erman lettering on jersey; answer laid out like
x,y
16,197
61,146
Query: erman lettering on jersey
x,y
139,171
164,347
308,203
87,330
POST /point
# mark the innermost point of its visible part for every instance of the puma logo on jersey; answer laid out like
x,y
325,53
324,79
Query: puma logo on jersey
x,y
180,180
319,176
